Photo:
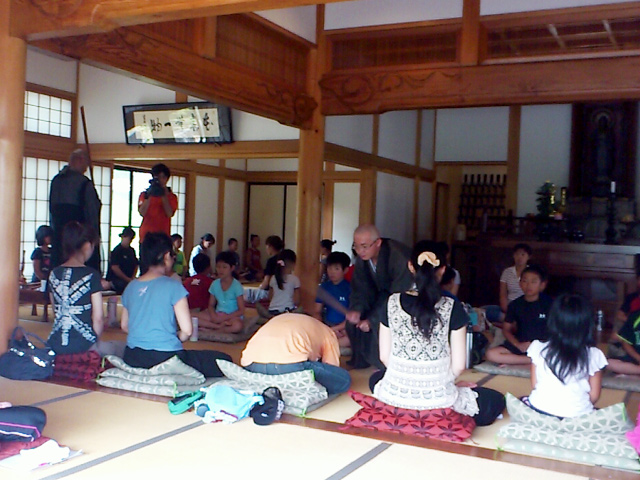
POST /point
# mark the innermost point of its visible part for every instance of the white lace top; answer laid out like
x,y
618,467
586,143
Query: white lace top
x,y
419,375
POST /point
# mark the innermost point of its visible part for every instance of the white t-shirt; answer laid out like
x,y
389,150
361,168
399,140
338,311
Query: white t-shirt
x,y
283,299
569,399
511,278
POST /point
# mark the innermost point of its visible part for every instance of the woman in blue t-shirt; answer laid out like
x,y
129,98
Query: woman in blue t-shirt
x,y
152,305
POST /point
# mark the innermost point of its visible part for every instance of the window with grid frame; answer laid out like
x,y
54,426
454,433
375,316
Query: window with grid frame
x,y
48,114
127,184
37,174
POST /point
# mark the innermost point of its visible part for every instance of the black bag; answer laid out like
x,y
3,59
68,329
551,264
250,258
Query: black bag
x,y
21,424
25,361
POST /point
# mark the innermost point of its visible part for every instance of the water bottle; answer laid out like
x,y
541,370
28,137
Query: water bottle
x,y
599,320
194,334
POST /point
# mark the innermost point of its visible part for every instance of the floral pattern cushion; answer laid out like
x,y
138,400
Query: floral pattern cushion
x,y
597,438
166,379
299,390
442,423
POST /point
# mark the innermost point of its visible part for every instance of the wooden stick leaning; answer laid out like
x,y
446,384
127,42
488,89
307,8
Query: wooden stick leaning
x,y
86,140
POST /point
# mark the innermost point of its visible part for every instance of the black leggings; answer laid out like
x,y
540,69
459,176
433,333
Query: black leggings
x,y
202,360
491,403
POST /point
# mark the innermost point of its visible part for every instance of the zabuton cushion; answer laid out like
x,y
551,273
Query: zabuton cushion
x,y
596,438
166,379
85,366
442,423
300,392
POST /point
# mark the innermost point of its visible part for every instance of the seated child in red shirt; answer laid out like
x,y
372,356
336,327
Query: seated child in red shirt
x,y
198,285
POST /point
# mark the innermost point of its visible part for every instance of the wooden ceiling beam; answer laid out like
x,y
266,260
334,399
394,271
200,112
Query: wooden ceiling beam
x,y
357,159
38,20
406,88
131,50
242,149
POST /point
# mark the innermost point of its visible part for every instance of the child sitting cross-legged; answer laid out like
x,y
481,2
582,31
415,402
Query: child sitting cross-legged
x,y
284,287
566,371
226,302
76,296
526,319
153,303
629,336
340,291
198,285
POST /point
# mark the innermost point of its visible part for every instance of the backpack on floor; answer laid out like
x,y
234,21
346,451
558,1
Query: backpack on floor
x,y
21,424
25,361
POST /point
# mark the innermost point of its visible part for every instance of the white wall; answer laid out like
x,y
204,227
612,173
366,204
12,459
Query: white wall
x,y
545,151
103,93
291,218
246,126
427,138
49,70
299,20
490,7
233,224
472,134
272,164
381,12
353,131
397,136
206,214
394,207
346,215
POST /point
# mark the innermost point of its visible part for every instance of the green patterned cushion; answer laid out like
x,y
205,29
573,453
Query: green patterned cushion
x,y
166,379
299,389
610,420
160,390
173,366
509,370
596,438
541,450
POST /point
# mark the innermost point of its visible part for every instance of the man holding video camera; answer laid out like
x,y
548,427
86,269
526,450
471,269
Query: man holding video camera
x,y
157,204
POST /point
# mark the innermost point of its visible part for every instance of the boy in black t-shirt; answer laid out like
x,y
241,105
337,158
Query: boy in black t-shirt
x,y
123,263
526,319
629,335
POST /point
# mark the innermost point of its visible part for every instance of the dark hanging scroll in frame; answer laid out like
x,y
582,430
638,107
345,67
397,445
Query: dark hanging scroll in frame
x,y
194,122
603,149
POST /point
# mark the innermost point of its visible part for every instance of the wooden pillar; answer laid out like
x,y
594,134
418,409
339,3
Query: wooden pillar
x,y
190,214
513,158
470,41
369,180
327,203
311,158
13,58
221,242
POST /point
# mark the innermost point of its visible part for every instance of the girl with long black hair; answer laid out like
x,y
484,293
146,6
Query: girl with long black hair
x,y
566,371
423,346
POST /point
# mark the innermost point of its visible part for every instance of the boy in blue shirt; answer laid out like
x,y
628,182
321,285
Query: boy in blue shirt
x,y
339,291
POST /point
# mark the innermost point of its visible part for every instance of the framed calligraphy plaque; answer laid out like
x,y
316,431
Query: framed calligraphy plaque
x,y
198,122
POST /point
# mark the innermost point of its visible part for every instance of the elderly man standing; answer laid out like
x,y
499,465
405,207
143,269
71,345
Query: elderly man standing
x,y
381,269
74,197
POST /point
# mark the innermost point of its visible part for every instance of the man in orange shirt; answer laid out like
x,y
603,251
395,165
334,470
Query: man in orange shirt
x,y
292,342
157,204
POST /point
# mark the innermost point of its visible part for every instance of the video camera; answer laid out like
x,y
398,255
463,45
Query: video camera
x,y
155,189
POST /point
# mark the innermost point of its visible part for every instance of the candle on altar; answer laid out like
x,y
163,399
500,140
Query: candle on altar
x,y
613,187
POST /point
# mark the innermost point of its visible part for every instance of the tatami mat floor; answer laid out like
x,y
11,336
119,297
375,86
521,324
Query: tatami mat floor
x,y
135,437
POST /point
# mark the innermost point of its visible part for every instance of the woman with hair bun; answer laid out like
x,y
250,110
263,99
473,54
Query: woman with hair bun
x,y
423,346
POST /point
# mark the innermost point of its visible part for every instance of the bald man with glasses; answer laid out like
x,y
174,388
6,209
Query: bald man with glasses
x,y
380,270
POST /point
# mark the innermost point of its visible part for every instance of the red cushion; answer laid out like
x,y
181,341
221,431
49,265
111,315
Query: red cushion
x,y
78,366
441,423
